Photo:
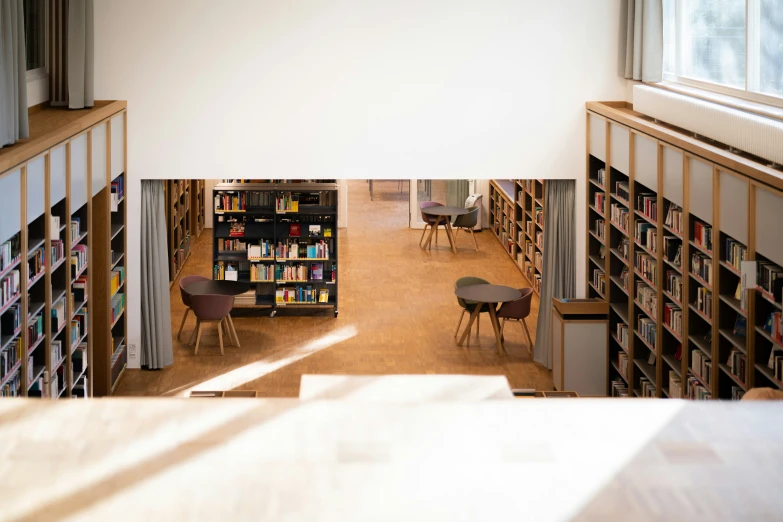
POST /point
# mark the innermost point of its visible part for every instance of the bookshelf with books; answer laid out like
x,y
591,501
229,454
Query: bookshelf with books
x,y
179,219
697,215
502,214
280,238
47,242
198,207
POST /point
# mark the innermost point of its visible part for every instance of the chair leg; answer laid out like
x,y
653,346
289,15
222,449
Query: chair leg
x,y
182,324
195,329
198,338
529,340
436,233
460,322
475,243
220,335
502,325
233,331
421,241
478,325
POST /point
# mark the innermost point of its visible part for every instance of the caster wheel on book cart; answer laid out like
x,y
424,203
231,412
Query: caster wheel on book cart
x,y
335,313
272,314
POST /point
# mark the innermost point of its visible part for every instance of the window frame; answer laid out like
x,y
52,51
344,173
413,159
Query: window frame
x,y
752,59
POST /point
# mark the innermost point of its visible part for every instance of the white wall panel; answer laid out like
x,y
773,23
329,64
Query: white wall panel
x,y
769,225
78,172
597,136
57,179
645,161
117,145
36,186
734,206
672,175
700,189
98,158
10,199
619,148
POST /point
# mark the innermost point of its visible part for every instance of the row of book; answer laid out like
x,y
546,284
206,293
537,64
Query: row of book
x,y
675,385
13,387
78,259
11,321
117,278
704,301
537,282
232,245
701,266
538,260
35,264
734,253
624,247
79,290
769,279
619,215
647,265
702,235
598,201
672,317
622,364
624,278
231,271
58,314
648,330
647,388
293,273
647,204
701,365
9,357
117,192
599,280
57,352
737,364
695,390
539,217
622,334
674,218
540,240
619,388
530,228
78,327
600,177
263,250
75,229
647,298
9,287
599,228
35,330
301,294
117,306
674,285
292,249
646,235
672,250
10,253
57,251
774,326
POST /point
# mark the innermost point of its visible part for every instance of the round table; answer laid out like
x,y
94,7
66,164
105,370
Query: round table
x,y
217,288
220,288
443,213
490,295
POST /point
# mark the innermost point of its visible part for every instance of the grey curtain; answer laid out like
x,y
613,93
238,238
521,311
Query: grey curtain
x,y
644,40
558,278
80,54
13,74
457,192
156,350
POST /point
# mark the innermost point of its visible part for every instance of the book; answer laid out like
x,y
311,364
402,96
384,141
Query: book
x,y
237,229
314,230
740,326
317,271
294,229
327,231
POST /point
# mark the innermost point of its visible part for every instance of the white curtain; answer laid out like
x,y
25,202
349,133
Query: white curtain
x,y
156,350
558,278
80,54
643,46
13,73
457,191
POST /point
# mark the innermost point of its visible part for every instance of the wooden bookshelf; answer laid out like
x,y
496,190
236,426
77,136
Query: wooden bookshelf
x,y
53,190
675,218
198,207
266,214
181,217
517,220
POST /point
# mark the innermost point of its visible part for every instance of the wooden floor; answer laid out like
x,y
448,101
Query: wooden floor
x,y
397,315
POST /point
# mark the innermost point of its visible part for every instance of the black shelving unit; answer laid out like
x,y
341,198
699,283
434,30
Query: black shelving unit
x,y
265,221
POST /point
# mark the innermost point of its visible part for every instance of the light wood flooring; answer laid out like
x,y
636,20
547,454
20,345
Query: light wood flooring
x,y
397,315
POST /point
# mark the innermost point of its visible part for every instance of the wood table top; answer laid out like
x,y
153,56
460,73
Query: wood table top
x,y
482,293
443,210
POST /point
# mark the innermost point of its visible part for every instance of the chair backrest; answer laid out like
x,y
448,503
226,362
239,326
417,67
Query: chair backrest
x,y
184,282
426,217
211,307
469,220
518,309
468,281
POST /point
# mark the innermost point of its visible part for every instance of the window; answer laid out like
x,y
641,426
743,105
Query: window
x,y
731,46
35,34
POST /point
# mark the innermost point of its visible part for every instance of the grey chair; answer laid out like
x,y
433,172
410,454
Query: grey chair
x,y
429,221
470,306
467,222
517,311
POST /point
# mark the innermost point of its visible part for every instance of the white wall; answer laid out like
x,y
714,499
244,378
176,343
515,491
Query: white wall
x,y
355,88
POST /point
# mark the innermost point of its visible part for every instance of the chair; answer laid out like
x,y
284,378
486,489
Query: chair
x,y
517,311
429,221
467,222
212,308
469,306
184,282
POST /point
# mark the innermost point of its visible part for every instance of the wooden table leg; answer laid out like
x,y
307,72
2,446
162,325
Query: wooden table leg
x,y
233,331
473,316
450,233
495,326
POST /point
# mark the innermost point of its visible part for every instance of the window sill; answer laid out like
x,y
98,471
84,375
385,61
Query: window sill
x,y
761,109
37,74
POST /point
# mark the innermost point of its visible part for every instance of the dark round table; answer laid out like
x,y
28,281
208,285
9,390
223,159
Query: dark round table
x,y
220,288
443,213
217,288
490,295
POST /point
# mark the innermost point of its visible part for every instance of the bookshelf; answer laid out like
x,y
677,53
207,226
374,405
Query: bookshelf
x,y
517,220
671,220
180,221
198,206
282,238
53,250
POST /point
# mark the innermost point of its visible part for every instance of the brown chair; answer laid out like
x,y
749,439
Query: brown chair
x,y
183,283
517,311
212,308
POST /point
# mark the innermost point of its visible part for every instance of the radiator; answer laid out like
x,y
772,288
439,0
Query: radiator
x,y
762,137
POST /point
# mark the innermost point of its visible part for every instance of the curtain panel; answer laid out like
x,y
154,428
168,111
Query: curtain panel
x,y
156,346
558,278
643,44
13,74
